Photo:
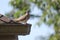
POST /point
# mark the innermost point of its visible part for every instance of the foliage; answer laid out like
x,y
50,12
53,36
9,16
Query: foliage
x,y
50,8
20,5
51,14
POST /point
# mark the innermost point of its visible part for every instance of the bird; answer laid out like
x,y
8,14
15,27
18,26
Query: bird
x,y
24,18
4,19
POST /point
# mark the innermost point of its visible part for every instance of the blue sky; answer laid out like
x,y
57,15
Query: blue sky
x,y
4,6
35,31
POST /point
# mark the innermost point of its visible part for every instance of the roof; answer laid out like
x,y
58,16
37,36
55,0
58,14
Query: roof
x,y
13,28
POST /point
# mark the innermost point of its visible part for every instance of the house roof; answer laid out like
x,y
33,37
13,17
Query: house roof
x,y
8,28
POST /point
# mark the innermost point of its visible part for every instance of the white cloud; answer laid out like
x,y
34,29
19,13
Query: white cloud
x,y
35,10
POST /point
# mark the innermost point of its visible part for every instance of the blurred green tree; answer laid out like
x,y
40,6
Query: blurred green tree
x,y
50,15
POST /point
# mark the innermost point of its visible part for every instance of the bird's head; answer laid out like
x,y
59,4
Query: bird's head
x,y
28,11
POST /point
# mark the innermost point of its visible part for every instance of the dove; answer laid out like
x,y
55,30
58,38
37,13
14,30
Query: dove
x,y
4,19
24,18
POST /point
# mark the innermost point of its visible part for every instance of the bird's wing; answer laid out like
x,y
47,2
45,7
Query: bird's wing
x,y
23,18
